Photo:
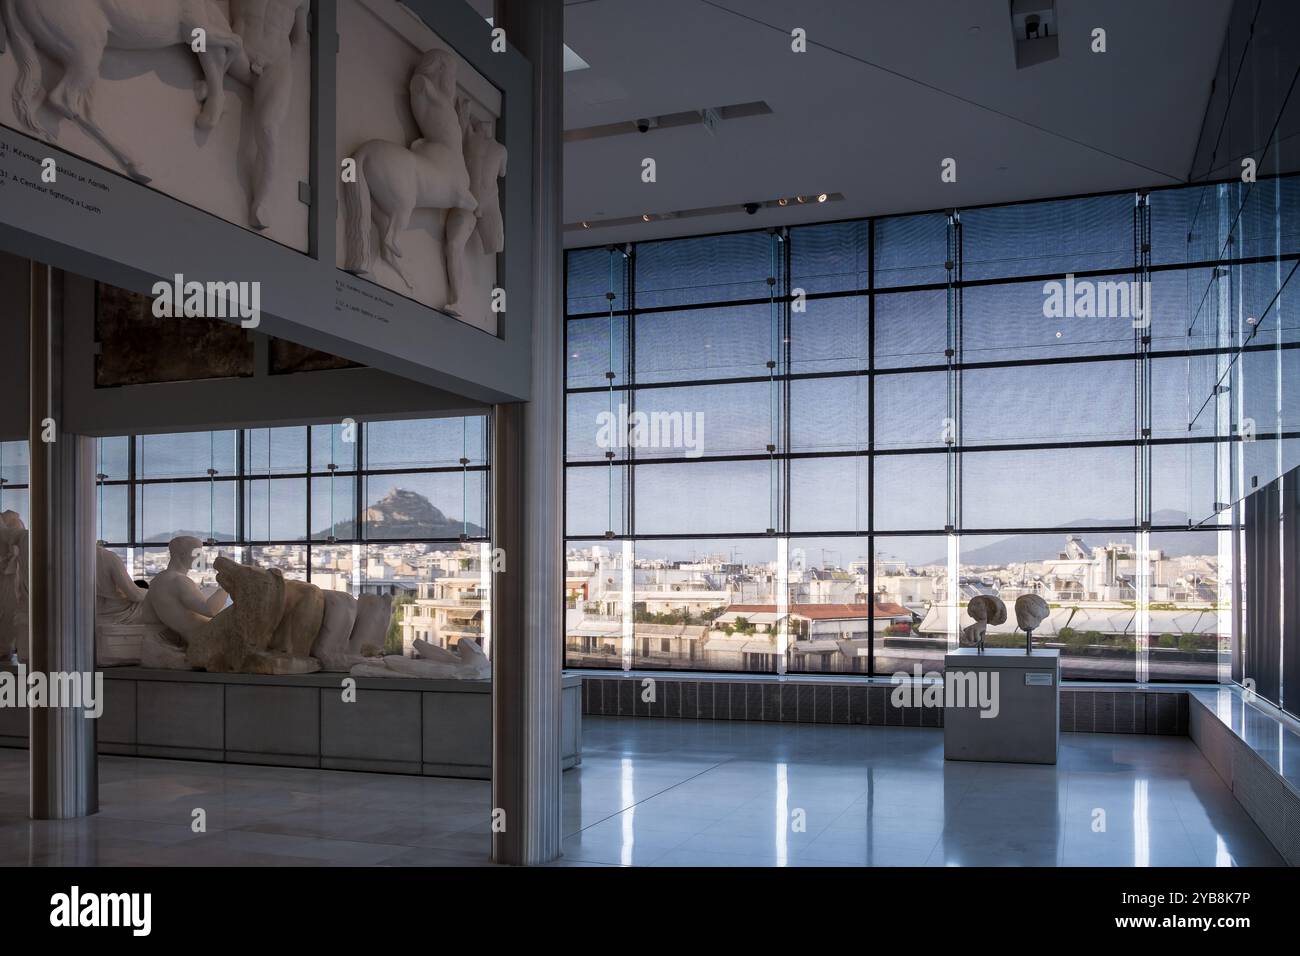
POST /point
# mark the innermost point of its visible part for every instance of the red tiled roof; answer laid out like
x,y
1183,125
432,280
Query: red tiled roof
x,y
823,612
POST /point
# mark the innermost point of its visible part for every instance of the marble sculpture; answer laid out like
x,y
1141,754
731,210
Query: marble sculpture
x,y
393,181
13,586
75,36
984,609
1031,610
465,662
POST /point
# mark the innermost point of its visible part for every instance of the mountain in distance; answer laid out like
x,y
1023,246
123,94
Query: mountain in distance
x,y
404,514
1045,545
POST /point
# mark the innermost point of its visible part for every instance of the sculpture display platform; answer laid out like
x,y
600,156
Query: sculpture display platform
x,y
1021,720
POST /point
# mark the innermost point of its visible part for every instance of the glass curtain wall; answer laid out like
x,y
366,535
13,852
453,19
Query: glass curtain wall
x,y
396,507
805,450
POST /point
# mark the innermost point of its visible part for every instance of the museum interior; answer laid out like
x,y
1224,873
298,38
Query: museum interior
x,y
698,433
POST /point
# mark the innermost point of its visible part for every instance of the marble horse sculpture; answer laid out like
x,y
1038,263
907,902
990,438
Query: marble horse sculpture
x,y
984,609
76,34
393,181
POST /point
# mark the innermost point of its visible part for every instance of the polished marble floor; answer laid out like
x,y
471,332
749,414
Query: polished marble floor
x,y
684,793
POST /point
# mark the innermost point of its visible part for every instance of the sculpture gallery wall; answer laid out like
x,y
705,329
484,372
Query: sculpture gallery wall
x,y
225,127
420,165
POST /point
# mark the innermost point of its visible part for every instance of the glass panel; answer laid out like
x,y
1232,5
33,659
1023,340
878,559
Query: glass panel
x,y
334,445
1048,238
910,590
589,506
911,250
449,601
1048,488
1033,320
1048,403
593,605
829,590
291,559
911,329
276,451
185,455
830,335
911,492
830,414
829,258
275,510
333,508
427,443
592,354
1190,606
730,342
704,498
828,494
912,410
429,505
201,509
705,269
706,605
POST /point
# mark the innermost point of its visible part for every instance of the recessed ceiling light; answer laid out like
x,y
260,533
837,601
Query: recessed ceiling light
x,y
823,197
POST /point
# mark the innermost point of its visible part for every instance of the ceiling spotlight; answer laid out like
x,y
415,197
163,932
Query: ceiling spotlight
x,y
782,202
585,224
800,199
645,217
823,197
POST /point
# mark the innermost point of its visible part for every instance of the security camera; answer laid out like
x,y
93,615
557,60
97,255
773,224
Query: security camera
x,y
752,207
644,125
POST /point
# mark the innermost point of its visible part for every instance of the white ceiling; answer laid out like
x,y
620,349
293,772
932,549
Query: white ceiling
x,y
1084,122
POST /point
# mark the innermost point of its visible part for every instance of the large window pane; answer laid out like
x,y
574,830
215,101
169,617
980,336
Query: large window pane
x,y
1048,403
433,505
911,329
829,258
1046,238
705,497
275,451
705,269
427,443
1048,488
911,250
707,604
829,592
828,494
1190,614
912,410
186,455
275,510
911,594
729,342
593,605
200,509
911,492
1017,321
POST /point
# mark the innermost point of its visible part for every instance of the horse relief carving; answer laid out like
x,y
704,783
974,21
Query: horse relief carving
x,y
76,35
437,171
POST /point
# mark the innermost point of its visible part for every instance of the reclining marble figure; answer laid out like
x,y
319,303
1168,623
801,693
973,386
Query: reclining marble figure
x,y
466,662
123,619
